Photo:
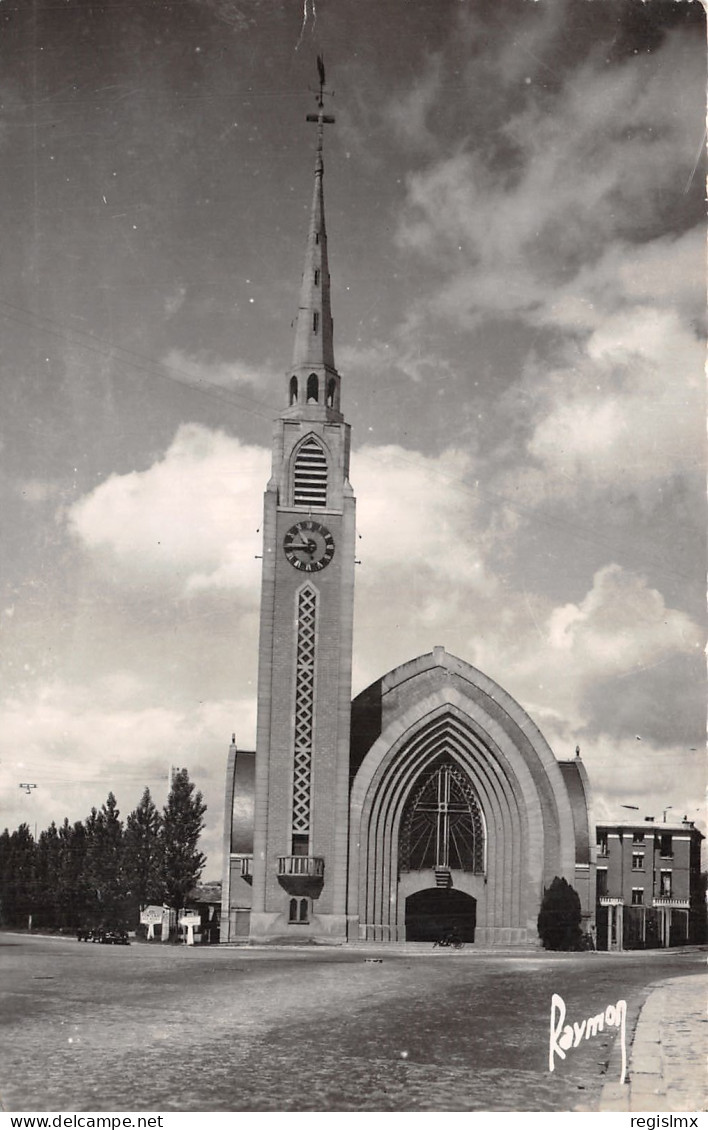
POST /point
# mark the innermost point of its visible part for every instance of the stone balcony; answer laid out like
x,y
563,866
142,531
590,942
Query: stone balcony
x,y
301,874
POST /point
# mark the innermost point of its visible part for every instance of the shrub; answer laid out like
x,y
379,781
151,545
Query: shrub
x,y
560,916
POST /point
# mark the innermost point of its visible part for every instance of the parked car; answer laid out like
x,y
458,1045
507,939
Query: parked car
x,y
114,936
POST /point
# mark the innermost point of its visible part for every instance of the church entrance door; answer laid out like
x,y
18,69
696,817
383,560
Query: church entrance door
x,y
435,911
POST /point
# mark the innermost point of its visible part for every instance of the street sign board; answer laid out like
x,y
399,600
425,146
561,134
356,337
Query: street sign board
x,y
151,915
190,920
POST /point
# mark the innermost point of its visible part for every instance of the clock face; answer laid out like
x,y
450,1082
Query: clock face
x,y
308,546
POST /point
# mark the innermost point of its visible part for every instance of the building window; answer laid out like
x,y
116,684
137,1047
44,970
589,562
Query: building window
x,y
293,390
602,880
317,237
665,846
602,843
317,278
442,825
315,321
638,838
300,844
331,392
638,861
637,896
310,474
665,884
299,911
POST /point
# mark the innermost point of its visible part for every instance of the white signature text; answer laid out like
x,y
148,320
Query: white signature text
x,y
565,1036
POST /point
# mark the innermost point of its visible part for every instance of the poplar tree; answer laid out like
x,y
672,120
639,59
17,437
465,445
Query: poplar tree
x,y
182,825
19,870
104,863
47,887
142,845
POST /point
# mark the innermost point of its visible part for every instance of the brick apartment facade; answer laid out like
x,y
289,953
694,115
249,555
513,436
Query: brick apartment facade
x,y
649,888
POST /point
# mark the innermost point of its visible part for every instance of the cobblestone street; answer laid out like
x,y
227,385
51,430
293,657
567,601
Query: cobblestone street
x,y
92,1028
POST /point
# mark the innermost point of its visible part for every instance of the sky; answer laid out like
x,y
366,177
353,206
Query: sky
x,y
514,200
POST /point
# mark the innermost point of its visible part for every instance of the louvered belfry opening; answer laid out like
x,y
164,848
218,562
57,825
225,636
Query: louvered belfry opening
x,y
310,475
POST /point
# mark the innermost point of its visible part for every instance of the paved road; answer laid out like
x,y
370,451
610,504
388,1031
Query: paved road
x,y
93,1028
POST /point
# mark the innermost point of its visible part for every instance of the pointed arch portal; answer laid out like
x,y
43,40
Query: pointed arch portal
x,y
459,810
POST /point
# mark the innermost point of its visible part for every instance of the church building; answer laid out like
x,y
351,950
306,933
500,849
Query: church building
x,y
430,803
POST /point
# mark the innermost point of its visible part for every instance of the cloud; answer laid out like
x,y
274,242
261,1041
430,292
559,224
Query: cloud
x,y
406,352
417,514
626,416
202,371
650,776
189,521
174,302
407,113
667,273
603,159
77,742
37,490
621,627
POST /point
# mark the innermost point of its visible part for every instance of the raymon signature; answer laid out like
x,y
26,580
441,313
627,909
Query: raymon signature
x,y
565,1036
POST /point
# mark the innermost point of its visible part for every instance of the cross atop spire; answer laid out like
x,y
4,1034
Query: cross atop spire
x,y
321,119
313,381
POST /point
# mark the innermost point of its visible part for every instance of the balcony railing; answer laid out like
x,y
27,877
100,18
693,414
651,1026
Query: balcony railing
x,y
307,866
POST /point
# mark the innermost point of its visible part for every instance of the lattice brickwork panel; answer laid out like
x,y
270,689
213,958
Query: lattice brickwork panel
x,y
304,708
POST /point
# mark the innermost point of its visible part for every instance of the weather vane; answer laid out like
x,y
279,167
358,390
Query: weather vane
x,y
321,118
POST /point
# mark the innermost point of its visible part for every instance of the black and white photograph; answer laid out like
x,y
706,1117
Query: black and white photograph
x,y
353,557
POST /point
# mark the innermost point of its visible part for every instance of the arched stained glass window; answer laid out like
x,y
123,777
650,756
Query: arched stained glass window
x,y
442,824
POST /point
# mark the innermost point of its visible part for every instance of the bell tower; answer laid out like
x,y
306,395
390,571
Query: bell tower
x,y
305,654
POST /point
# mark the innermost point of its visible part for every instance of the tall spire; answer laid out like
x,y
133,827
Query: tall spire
x,y
313,381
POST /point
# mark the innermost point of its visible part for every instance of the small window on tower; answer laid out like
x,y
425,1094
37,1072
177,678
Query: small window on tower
x,y
315,322
317,237
317,278
304,910
300,843
292,915
331,390
313,389
293,390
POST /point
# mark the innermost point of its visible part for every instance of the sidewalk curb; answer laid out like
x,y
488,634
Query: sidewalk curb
x,y
667,1060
